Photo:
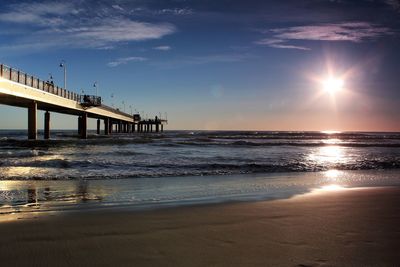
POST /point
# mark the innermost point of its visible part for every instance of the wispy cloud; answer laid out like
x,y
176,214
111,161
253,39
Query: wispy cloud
x,y
277,43
118,7
395,4
125,60
119,30
162,48
77,25
38,13
351,31
175,11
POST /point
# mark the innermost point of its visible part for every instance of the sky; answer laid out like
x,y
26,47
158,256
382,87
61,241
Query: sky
x,y
215,64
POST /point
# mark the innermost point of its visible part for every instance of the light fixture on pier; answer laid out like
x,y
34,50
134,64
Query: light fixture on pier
x,y
64,66
96,86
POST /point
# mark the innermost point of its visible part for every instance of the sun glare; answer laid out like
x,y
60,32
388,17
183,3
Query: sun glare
x,y
333,85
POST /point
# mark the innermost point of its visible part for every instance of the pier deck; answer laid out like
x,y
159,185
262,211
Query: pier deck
x,y
22,90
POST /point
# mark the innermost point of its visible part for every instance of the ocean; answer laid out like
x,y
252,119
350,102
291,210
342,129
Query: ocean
x,y
178,167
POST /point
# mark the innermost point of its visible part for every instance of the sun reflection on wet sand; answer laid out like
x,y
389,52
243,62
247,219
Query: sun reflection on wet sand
x,y
331,187
29,199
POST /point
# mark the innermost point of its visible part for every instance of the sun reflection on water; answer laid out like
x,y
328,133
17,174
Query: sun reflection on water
x,y
328,154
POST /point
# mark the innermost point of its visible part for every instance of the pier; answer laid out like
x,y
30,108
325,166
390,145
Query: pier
x,y
19,89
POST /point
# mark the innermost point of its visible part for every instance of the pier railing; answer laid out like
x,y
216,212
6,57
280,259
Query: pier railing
x,y
18,76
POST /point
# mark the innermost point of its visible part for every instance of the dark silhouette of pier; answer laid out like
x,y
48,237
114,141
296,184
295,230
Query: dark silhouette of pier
x,y
22,90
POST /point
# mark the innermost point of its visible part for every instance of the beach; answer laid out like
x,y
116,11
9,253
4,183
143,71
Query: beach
x,y
326,227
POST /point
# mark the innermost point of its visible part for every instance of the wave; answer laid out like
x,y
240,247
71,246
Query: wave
x,y
92,170
288,143
64,164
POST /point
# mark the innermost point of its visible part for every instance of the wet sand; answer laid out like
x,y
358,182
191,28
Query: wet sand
x,y
355,227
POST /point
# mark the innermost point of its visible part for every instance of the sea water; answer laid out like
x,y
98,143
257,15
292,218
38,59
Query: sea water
x,y
179,167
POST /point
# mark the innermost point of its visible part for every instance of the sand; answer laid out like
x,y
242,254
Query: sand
x,y
340,228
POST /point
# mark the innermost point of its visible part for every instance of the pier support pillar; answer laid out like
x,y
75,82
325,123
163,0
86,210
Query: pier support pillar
x,y
162,127
32,130
98,126
106,126
133,127
79,125
84,126
151,128
119,127
157,127
47,125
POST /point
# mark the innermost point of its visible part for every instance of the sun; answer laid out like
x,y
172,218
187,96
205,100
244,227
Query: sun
x,y
332,85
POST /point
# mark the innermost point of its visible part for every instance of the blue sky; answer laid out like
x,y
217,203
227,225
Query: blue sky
x,y
245,65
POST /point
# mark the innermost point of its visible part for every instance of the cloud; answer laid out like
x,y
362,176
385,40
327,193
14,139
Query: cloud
x,y
175,11
162,48
276,43
119,30
125,60
118,7
77,26
350,31
38,13
395,4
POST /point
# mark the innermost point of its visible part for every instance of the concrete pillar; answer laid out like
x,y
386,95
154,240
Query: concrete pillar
x,y
133,127
151,127
47,125
32,130
106,126
98,126
84,126
119,127
162,127
79,125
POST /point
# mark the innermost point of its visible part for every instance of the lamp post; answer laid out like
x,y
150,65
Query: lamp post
x,y
130,106
112,99
64,66
96,86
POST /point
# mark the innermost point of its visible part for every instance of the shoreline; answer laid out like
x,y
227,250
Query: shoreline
x,y
41,197
335,227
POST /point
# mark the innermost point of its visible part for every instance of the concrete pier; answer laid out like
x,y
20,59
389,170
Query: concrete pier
x,y
32,128
47,125
19,89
